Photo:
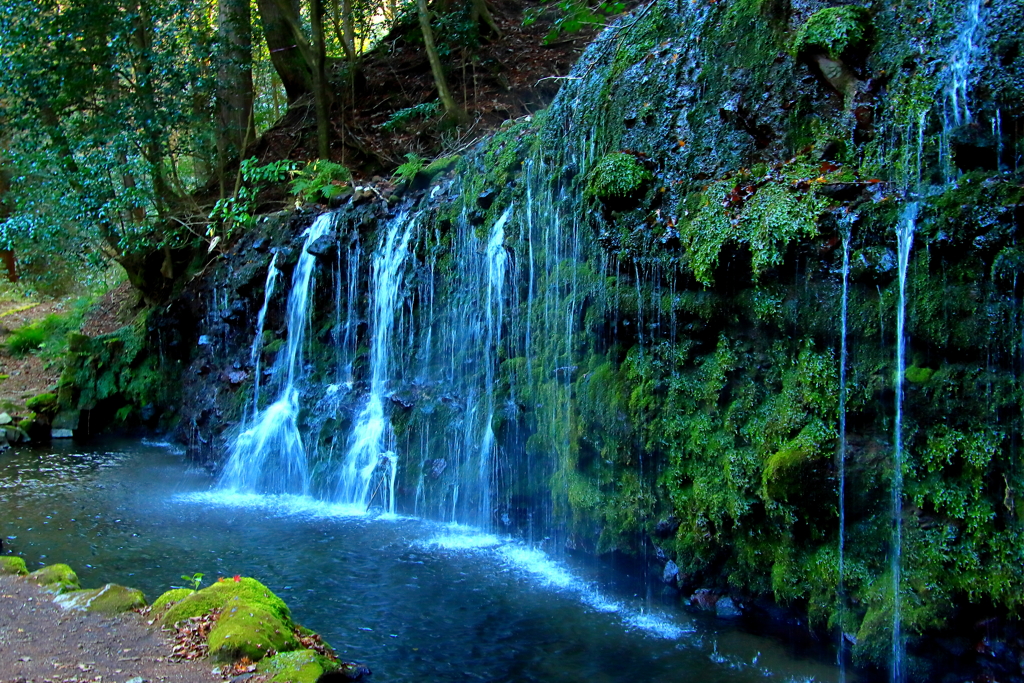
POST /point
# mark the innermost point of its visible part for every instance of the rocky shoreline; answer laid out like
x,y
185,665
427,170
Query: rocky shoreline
x,y
54,631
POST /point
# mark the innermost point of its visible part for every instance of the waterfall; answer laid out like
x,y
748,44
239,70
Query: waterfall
x,y
369,442
269,456
848,220
257,342
957,109
904,240
497,265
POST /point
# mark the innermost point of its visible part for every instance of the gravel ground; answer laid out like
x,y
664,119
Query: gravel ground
x,y
41,643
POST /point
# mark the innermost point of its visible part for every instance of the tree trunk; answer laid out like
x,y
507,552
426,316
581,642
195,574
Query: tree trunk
x,y
450,107
286,54
481,12
234,81
323,122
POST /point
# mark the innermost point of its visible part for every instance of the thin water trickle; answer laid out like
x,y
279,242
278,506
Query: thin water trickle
x,y
269,456
256,355
369,442
848,220
497,265
904,241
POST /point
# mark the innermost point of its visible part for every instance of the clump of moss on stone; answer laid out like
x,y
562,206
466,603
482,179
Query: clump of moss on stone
x,y
56,578
217,597
13,565
834,31
171,598
300,666
43,403
617,176
247,629
110,599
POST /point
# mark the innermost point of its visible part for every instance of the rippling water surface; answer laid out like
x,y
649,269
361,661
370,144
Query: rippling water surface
x,y
415,600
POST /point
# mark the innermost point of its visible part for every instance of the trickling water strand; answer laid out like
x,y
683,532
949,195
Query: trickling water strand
x,y
269,457
841,454
997,133
904,240
257,343
368,441
497,264
349,341
960,62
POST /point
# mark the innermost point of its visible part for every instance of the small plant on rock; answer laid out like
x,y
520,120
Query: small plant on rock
x,y
833,31
617,176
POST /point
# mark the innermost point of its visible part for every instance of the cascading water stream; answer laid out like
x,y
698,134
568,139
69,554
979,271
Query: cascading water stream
x,y
369,442
848,221
269,456
257,342
904,241
497,266
960,63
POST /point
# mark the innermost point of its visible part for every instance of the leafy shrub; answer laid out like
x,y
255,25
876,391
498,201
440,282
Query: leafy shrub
x,y
573,15
238,209
320,179
833,30
407,171
403,117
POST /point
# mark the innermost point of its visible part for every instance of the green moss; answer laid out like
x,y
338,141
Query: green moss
x,y
918,375
43,403
765,217
110,599
248,629
170,598
57,578
300,666
834,31
218,595
617,176
12,565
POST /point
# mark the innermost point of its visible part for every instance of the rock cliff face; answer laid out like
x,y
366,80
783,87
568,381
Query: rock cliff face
x,y
667,311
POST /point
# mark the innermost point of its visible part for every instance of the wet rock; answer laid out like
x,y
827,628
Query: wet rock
x,y
324,247
669,574
486,198
61,434
666,528
235,377
704,599
66,420
727,608
437,467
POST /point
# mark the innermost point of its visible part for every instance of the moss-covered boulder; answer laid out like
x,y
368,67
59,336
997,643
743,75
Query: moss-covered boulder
x,y
301,666
43,403
110,599
170,598
247,629
217,597
13,565
57,578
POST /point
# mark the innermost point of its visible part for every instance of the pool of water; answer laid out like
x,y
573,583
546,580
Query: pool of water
x,y
414,600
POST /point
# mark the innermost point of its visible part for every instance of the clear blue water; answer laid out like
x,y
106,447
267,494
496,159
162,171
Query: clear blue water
x,y
414,600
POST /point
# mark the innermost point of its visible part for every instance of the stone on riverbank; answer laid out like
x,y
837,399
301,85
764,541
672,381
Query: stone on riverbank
x,y
110,599
246,629
13,565
301,666
56,578
217,597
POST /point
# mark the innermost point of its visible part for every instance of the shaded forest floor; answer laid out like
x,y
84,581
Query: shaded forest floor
x,y
24,375
499,79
